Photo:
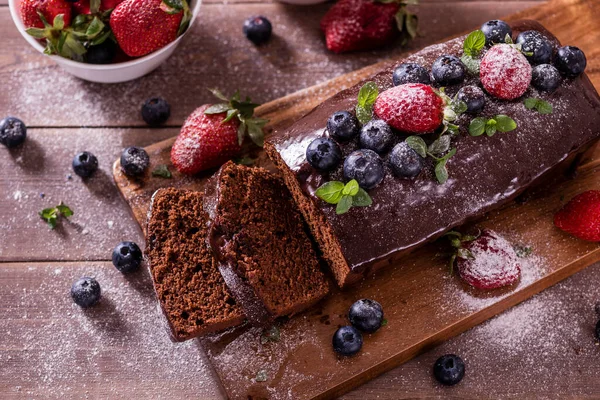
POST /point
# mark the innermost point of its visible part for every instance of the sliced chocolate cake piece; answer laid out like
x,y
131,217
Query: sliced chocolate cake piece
x,y
516,128
192,293
259,239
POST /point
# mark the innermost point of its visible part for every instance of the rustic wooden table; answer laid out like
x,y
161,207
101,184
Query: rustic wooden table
x,y
50,348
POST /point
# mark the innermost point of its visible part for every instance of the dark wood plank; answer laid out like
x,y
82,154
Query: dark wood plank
x,y
101,217
214,54
50,348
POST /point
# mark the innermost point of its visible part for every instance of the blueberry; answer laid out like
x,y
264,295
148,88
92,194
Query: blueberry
x,y
323,154
449,369
156,111
366,315
376,135
257,29
347,341
85,164
495,31
86,292
570,61
12,132
405,162
410,73
473,97
127,257
103,53
545,77
134,161
448,70
366,167
536,43
343,126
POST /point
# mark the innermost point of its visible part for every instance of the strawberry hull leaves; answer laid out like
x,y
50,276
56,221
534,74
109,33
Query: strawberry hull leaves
x,y
51,215
243,110
366,99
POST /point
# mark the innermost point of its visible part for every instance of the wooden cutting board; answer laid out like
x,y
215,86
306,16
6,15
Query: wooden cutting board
x,y
423,304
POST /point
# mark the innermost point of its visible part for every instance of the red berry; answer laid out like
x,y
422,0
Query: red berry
x,y
142,26
49,9
581,216
205,141
505,72
82,7
494,263
412,107
29,14
359,25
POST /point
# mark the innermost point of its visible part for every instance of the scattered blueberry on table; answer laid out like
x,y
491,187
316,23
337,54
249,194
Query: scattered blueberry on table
x,y
156,111
127,257
257,29
449,369
12,132
85,164
366,315
86,292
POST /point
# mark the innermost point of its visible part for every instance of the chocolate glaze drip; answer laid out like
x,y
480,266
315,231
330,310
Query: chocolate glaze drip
x,y
485,173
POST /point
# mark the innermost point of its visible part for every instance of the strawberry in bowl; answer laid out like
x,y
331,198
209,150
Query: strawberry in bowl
x,y
105,41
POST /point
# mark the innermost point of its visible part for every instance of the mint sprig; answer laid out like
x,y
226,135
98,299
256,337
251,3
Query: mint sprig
x,y
51,215
489,126
345,196
243,110
541,106
439,150
162,171
472,47
366,99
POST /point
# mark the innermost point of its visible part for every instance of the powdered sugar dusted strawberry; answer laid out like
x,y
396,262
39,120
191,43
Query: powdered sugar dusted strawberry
x,y
505,72
487,261
581,216
213,134
412,107
361,24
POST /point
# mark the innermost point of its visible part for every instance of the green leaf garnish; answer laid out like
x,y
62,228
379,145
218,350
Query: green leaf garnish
x,y
435,150
541,106
384,322
489,126
417,144
474,43
51,215
345,196
243,110
162,171
441,172
366,99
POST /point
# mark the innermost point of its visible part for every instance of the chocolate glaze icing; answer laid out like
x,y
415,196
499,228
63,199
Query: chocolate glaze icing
x,y
485,173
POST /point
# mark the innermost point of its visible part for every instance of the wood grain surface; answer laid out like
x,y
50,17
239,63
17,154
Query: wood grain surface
x,y
554,356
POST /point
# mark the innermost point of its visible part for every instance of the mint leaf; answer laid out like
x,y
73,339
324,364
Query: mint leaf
x,y
523,251
367,96
504,123
351,188
441,172
474,43
471,63
361,199
344,204
51,215
417,144
440,145
458,106
162,171
477,126
490,127
530,103
64,210
330,192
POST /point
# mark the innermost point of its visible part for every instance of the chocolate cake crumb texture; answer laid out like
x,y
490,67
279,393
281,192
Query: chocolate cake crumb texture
x,y
191,291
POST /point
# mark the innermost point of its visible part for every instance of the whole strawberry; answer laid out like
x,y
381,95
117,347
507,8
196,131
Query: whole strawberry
x,y
505,72
412,107
144,26
364,24
83,6
213,134
487,261
581,216
49,10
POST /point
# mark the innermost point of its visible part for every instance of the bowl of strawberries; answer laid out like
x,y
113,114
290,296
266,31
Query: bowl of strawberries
x,y
106,41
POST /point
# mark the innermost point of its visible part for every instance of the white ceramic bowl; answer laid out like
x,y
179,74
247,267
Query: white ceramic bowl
x,y
108,73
